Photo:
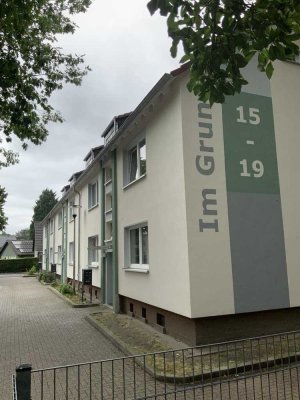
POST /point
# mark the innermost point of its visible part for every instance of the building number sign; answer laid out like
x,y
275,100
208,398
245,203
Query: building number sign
x,y
249,142
257,166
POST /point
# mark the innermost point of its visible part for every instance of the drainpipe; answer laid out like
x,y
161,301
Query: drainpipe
x,y
65,242
78,235
116,304
48,245
102,236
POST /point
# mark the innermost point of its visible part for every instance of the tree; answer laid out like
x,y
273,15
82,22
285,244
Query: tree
x,y
23,234
43,206
32,67
3,219
220,37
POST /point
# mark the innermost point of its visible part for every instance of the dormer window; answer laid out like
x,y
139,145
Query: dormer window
x,y
110,134
89,160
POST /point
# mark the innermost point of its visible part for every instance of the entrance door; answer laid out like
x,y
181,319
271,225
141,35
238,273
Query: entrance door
x,y
109,280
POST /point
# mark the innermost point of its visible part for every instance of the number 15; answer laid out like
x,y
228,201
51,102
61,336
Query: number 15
x,y
254,117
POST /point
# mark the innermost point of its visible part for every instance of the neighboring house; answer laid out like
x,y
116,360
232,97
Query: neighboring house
x,y
188,216
38,239
17,249
4,238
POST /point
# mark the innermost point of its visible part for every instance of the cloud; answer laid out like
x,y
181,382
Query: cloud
x,y
128,51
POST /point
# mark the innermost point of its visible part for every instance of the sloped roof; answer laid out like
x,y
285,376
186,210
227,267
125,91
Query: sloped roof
x,y
94,150
65,188
128,119
21,247
76,175
38,236
5,238
120,120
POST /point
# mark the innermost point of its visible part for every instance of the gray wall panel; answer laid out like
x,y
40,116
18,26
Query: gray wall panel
x,y
258,253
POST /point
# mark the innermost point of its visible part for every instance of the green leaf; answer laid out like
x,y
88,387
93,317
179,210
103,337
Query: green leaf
x,y
269,70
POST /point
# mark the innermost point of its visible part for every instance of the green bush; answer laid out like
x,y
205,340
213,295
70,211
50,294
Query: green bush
x,y
65,288
13,265
40,276
47,276
32,271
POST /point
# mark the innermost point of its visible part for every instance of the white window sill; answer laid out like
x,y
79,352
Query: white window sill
x,y
133,182
139,270
108,182
91,208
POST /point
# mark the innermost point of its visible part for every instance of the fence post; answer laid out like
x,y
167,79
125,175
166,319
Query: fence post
x,y
23,379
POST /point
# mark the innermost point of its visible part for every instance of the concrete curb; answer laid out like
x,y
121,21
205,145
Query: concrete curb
x,y
68,301
205,377
109,335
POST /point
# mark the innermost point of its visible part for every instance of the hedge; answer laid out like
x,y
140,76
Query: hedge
x,y
17,264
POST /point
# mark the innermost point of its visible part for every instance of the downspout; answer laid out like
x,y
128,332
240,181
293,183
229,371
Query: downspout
x,y
65,242
48,245
102,221
53,242
116,302
78,234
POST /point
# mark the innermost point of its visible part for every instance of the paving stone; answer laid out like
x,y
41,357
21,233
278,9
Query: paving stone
x,y
37,327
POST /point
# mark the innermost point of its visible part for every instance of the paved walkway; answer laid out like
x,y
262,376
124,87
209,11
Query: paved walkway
x,y
39,328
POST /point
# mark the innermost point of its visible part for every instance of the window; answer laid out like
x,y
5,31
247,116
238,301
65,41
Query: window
x,y
58,254
137,161
92,251
108,174
137,252
59,219
71,253
160,320
45,256
51,255
71,210
93,195
51,226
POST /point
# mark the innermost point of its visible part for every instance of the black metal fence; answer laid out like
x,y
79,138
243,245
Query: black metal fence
x,y
255,368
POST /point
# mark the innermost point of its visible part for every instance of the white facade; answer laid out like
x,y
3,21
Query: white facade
x,y
188,219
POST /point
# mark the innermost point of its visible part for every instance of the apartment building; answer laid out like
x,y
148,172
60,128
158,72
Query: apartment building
x,y
188,214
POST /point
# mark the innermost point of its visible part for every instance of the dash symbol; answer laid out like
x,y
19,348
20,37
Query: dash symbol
x,y
250,142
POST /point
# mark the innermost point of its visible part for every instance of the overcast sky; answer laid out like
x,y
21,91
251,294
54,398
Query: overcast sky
x,y
128,51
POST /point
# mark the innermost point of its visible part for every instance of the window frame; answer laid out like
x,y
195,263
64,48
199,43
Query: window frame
x,y
90,186
59,254
134,147
60,219
71,204
127,242
93,249
51,226
71,253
